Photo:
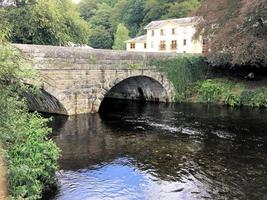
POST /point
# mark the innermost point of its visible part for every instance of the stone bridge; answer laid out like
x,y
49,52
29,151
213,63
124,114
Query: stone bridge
x,y
75,80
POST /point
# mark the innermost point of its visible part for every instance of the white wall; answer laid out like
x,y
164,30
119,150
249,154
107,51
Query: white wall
x,y
182,32
138,47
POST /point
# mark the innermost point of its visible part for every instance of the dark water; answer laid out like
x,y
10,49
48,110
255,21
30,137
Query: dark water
x,y
154,151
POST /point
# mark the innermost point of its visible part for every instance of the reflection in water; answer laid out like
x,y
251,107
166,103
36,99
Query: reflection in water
x,y
154,151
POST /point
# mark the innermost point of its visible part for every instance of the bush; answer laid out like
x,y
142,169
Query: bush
x,y
212,90
230,93
31,157
246,97
259,98
231,99
184,72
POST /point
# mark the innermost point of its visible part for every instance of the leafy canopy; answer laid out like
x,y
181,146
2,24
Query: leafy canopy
x,y
53,22
236,31
121,36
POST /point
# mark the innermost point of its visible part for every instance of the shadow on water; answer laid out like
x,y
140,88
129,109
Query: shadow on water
x,y
134,150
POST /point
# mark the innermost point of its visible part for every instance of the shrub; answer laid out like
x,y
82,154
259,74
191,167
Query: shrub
x,y
184,72
246,97
230,93
259,98
231,99
212,90
31,157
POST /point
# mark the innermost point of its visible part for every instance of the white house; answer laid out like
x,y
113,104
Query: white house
x,y
171,35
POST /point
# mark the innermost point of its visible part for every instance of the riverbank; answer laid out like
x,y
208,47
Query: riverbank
x,y
195,81
31,158
230,92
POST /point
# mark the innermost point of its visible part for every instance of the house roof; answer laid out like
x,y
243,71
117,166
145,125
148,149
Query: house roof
x,y
140,39
177,22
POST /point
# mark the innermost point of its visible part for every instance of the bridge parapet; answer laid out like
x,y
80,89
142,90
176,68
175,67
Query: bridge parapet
x,y
84,58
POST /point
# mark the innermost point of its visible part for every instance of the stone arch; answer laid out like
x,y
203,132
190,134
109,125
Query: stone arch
x,y
153,77
45,102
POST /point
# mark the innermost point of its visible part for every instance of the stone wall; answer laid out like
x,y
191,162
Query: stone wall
x,y
79,78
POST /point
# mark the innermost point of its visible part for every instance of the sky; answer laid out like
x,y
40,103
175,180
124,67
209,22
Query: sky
x,y
76,1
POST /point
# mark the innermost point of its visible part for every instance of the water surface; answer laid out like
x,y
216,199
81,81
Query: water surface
x,y
136,151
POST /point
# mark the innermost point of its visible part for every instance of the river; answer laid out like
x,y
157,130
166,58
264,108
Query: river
x,y
136,151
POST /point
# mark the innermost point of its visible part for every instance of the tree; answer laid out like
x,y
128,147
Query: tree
x,y
236,31
100,38
133,15
118,13
121,36
102,31
102,16
87,8
181,9
17,3
52,22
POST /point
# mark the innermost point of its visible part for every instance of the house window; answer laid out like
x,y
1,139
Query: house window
x,y
173,31
162,45
152,33
132,45
144,45
174,45
161,32
184,42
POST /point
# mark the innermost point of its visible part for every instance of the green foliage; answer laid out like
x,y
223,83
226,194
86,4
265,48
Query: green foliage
x,y
236,31
212,91
254,98
232,99
87,8
31,157
54,22
246,97
181,9
134,14
220,91
121,36
231,94
184,72
60,22
100,38
259,98
159,9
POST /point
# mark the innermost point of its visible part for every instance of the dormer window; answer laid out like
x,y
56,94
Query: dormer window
x,y
173,31
144,45
152,33
161,32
